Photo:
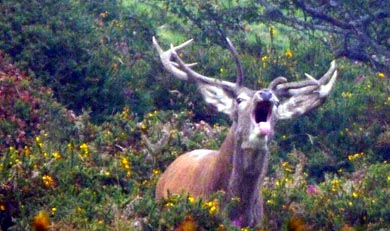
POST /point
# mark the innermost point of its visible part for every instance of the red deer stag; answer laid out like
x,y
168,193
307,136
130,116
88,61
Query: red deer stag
x,y
240,165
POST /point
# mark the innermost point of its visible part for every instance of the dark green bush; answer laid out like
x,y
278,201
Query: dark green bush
x,y
95,56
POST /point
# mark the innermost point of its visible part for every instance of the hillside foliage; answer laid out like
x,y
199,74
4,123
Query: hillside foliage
x,y
89,118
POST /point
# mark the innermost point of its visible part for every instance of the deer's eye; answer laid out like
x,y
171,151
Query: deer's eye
x,y
239,100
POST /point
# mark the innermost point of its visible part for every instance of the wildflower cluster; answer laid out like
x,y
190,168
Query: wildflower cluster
x,y
381,75
150,118
355,156
84,151
38,141
125,164
212,206
188,211
126,113
48,181
346,94
288,53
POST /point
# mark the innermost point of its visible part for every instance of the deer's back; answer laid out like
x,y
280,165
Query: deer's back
x,y
193,172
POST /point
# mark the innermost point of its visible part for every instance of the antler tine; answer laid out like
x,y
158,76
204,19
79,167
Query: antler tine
x,y
330,73
183,70
277,81
240,72
195,76
166,56
187,64
284,88
176,48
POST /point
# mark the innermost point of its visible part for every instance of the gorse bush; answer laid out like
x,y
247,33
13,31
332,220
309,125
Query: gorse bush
x,y
91,54
51,38
27,108
98,177
92,121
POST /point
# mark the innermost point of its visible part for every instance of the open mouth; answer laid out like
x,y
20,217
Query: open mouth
x,y
261,117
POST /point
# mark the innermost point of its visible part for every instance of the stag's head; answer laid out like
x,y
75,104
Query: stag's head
x,y
254,115
253,112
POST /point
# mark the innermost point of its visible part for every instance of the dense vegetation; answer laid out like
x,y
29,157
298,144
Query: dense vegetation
x,y
89,119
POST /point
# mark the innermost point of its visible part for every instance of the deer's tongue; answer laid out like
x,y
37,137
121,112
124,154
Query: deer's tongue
x,y
264,127
261,117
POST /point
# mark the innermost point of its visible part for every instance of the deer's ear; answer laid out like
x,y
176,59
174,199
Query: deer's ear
x,y
220,98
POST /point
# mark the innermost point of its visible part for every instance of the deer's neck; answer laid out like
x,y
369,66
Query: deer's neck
x,y
242,169
223,162
249,165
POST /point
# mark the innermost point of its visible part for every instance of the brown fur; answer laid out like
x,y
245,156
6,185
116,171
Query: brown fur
x,y
200,177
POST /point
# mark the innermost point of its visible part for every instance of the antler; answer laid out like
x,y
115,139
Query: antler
x,y
304,96
176,66
240,72
283,88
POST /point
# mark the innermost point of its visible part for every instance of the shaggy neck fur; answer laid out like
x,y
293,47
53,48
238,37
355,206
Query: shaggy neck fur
x,y
248,166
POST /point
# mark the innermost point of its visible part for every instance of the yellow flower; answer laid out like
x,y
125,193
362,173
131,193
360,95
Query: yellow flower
x,y
188,224
350,157
53,210
41,221
335,181
272,31
126,113
84,147
56,155
213,209
48,181
269,202
144,127
346,94
125,163
27,151
39,141
2,207
297,223
286,167
381,75
288,53
104,14
355,195
191,199
212,206
169,204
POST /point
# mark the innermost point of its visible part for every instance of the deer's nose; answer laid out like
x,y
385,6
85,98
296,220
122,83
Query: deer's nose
x,y
266,94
